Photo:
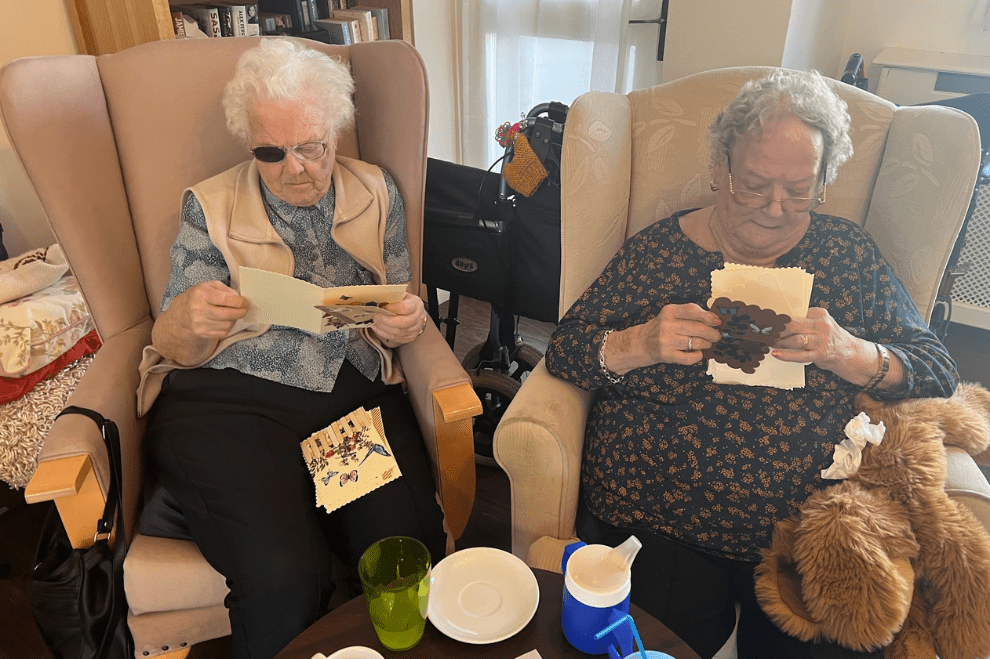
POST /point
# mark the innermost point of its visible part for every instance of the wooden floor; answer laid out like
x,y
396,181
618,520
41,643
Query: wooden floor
x,y
488,526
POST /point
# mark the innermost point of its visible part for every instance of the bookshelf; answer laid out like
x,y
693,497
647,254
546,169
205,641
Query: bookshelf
x,y
400,21
108,26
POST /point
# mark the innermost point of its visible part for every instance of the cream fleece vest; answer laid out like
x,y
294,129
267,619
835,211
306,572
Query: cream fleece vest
x,y
238,225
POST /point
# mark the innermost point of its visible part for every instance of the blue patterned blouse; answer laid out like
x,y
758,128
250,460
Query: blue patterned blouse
x,y
715,465
285,354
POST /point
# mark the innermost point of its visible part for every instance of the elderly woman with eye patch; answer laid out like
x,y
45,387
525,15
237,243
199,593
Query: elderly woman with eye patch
x,y
231,405
700,471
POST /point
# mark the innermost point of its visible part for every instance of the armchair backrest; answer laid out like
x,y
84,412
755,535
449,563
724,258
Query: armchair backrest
x,y
110,143
628,161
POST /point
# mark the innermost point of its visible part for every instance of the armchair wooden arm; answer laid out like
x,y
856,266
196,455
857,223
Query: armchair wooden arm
x,y
73,468
441,393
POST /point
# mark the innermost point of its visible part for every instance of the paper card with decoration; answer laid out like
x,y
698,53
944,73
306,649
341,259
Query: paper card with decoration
x,y
756,304
276,299
349,458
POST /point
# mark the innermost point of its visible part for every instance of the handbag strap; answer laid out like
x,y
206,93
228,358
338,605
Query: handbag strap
x,y
111,437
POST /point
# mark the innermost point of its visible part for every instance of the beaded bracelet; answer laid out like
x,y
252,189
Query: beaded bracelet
x,y
609,375
882,371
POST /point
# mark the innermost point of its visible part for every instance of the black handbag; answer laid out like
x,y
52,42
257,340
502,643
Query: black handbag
x,y
77,595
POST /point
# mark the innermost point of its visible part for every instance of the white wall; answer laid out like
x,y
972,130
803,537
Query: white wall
x,y
936,25
434,22
711,34
29,27
815,36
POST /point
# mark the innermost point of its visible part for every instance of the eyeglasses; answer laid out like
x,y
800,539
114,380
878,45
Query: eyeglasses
x,y
755,200
304,151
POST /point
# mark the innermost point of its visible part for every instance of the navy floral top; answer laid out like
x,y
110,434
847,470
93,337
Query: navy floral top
x,y
713,465
285,354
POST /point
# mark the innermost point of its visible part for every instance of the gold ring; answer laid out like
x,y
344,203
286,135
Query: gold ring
x,y
690,342
805,337
423,328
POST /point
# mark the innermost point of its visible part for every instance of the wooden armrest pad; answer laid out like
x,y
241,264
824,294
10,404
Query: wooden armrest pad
x,y
457,403
58,478
71,483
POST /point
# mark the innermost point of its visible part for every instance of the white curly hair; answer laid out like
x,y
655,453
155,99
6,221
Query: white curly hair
x,y
283,69
783,93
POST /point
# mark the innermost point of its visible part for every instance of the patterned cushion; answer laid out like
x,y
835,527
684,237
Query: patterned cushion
x,y
38,328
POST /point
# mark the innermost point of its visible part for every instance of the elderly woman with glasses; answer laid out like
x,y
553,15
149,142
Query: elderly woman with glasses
x,y
700,471
235,402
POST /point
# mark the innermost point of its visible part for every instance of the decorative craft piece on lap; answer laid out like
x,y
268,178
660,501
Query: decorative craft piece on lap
x,y
748,332
785,291
349,458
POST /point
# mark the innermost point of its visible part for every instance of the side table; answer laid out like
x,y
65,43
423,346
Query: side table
x,y
349,624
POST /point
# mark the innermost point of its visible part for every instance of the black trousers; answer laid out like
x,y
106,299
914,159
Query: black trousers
x,y
694,594
226,446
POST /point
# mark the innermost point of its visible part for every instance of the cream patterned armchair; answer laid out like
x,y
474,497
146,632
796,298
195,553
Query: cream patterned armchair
x,y
631,160
109,144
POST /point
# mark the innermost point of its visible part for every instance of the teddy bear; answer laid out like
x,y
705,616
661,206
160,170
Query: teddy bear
x,y
885,558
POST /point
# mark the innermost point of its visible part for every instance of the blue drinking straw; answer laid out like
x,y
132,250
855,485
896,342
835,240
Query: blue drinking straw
x,y
625,618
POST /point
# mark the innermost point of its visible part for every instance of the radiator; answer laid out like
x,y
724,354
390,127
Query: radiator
x,y
971,291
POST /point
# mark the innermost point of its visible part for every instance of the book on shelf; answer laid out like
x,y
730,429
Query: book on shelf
x,y
207,17
297,10
245,18
365,20
342,31
178,24
307,19
253,22
226,20
314,14
275,23
381,20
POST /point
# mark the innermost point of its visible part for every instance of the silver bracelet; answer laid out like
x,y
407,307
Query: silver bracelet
x,y
882,371
609,375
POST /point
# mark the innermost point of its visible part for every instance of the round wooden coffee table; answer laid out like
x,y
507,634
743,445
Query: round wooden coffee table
x,y
349,624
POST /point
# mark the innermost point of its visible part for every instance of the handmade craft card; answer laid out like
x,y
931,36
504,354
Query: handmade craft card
x,y
349,458
765,296
276,299
748,332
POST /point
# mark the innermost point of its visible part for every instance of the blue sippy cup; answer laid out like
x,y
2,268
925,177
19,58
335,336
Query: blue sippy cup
x,y
596,594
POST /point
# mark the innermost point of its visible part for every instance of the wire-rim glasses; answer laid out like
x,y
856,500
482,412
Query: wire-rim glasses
x,y
304,151
756,200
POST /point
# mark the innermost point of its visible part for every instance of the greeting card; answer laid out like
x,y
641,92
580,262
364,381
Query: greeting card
x,y
349,458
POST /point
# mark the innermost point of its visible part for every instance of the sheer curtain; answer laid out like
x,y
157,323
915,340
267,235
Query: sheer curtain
x,y
516,54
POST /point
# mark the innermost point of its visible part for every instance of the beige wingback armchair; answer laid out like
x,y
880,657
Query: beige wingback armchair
x,y
630,160
109,143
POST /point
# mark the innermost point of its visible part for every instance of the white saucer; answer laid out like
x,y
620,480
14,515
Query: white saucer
x,y
352,652
482,595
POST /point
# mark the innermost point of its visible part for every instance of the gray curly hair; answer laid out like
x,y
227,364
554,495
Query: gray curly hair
x,y
282,69
802,94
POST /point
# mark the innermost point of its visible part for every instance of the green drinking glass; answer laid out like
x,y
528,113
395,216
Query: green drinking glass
x,y
395,577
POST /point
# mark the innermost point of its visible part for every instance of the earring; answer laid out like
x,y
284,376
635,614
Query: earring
x,y
713,185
